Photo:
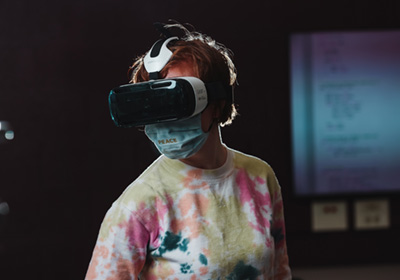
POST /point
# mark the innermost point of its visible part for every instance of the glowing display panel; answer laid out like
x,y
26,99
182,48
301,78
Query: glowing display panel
x,y
345,94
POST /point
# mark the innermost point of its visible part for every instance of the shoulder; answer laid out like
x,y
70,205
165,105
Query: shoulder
x,y
144,188
140,202
253,165
257,169
158,182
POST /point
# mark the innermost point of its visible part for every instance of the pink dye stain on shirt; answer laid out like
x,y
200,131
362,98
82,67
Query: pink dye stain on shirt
x,y
260,204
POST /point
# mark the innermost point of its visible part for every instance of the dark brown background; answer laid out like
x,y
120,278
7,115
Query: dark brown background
x,y
68,163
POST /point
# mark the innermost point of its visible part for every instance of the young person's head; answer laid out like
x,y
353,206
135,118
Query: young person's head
x,y
210,60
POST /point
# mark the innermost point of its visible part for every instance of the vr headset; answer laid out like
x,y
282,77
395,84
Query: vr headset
x,y
162,100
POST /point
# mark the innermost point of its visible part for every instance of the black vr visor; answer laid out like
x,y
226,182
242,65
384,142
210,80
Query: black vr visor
x,y
163,100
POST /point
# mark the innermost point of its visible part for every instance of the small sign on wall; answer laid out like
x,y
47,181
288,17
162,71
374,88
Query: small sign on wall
x,y
371,214
329,216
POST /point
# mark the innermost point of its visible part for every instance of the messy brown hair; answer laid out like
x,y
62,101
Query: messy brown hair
x,y
212,62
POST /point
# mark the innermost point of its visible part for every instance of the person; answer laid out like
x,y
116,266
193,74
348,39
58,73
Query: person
x,y
209,213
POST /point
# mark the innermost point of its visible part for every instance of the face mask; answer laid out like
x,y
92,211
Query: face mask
x,y
178,139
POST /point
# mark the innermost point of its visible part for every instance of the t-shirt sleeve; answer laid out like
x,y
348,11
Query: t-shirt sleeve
x,y
120,250
281,269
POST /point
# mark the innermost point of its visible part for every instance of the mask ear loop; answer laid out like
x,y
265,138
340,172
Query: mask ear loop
x,y
214,120
211,125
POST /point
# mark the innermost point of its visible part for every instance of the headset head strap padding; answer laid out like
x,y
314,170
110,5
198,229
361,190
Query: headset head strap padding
x,y
158,57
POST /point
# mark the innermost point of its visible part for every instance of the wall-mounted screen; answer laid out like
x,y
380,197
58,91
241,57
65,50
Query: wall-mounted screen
x,y
345,105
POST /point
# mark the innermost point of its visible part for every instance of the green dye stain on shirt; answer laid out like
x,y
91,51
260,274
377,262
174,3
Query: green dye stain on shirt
x,y
203,259
172,242
183,245
186,268
243,271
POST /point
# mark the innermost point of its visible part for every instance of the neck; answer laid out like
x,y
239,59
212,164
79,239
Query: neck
x,y
212,155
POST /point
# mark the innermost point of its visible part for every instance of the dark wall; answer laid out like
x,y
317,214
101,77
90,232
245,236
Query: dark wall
x,y
68,163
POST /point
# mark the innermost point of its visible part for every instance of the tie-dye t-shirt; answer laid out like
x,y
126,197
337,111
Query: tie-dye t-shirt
x,y
180,222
